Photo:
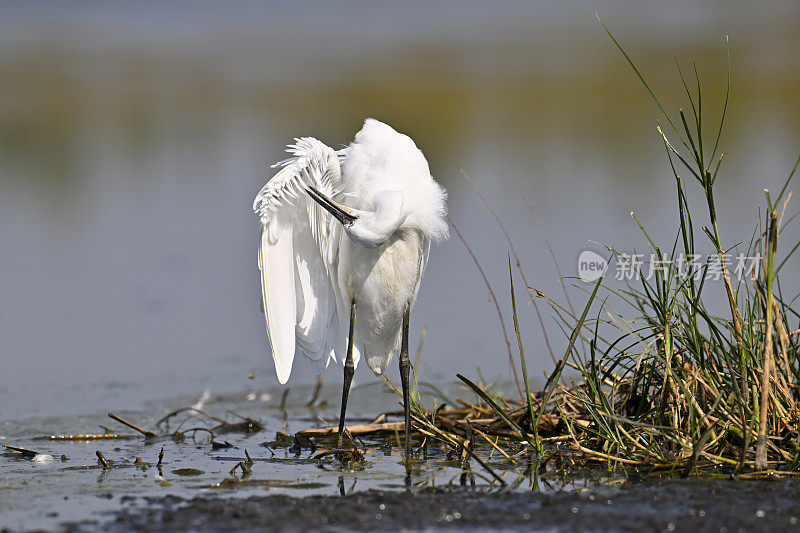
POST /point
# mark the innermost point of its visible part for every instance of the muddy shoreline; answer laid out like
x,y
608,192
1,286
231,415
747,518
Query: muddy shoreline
x,y
667,505
288,489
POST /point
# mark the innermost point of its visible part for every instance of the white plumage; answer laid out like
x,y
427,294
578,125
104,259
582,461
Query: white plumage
x,y
362,242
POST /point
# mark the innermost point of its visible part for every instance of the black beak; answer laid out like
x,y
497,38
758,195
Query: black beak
x,y
338,212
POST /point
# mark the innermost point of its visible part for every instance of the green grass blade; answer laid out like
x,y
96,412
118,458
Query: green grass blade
x,y
699,115
522,360
550,386
724,107
791,175
641,78
491,403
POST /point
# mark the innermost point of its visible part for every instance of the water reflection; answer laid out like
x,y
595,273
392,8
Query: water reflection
x,y
132,142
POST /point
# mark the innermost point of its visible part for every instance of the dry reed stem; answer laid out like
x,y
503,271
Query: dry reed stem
x,y
363,429
516,259
783,336
496,305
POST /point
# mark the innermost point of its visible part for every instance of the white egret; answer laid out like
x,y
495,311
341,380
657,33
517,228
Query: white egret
x,y
345,237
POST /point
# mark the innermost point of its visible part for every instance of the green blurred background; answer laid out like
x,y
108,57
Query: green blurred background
x,y
133,137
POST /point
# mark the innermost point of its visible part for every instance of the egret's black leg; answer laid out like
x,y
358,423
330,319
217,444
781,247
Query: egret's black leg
x,y
405,368
349,370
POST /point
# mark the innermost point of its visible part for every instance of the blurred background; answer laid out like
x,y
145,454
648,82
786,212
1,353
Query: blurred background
x,y
134,136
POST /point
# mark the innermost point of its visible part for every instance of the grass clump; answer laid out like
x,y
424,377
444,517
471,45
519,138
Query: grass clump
x,y
678,385
670,384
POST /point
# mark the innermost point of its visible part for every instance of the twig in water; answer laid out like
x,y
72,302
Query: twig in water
x,y
246,470
378,419
317,389
285,411
180,435
365,429
88,436
185,409
24,451
146,433
247,425
485,466
102,461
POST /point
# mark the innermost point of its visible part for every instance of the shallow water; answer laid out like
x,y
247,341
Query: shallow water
x,y
286,490
67,484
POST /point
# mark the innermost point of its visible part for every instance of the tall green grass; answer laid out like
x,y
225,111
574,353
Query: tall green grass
x,y
667,382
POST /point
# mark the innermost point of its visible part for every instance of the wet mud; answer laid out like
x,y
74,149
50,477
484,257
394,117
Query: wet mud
x,y
668,505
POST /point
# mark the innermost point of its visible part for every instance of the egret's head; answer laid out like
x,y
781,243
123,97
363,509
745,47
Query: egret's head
x,y
369,227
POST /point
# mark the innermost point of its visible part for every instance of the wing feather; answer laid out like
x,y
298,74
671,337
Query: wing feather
x,y
278,292
297,256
